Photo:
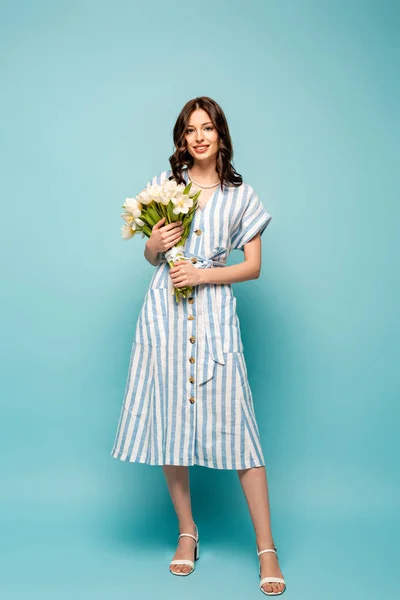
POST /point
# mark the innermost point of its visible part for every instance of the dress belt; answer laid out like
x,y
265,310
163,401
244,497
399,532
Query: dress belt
x,y
211,351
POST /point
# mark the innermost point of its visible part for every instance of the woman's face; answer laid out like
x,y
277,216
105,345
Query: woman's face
x,y
201,136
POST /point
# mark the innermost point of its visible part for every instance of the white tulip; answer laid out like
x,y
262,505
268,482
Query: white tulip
x,y
154,191
173,188
132,205
132,219
127,232
170,187
165,197
145,196
182,204
128,217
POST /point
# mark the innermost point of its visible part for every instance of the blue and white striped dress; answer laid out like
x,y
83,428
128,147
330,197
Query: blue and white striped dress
x,y
187,399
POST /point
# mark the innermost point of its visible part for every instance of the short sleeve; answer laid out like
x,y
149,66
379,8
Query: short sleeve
x,y
155,180
159,178
254,219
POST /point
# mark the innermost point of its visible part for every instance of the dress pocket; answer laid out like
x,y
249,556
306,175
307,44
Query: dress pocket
x,y
232,339
238,367
152,326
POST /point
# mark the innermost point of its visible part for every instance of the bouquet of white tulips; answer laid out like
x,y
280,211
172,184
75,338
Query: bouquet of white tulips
x,y
170,200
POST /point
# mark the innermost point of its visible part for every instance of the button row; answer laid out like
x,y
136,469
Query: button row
x,y
192,338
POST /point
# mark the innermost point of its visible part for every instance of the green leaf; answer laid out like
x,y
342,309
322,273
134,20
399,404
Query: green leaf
x,y
159,208
146,230
197,194
187,188
153,216
171,215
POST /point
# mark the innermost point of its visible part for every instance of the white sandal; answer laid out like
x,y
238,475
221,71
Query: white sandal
x,y
184,561
271,579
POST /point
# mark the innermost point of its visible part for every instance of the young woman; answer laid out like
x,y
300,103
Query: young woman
x,y
187,398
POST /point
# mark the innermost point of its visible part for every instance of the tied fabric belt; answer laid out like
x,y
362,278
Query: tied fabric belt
x,y
208,310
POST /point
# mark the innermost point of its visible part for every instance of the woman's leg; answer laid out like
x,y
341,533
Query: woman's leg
x,y
179,489
255,487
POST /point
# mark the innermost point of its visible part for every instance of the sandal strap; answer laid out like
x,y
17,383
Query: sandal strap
x,y
196,537
272,580
267,550
182,561
187,535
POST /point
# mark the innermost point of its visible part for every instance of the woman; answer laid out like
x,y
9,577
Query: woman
x,y
187,398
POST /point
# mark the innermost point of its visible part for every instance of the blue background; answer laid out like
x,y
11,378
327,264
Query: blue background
x,y
90,94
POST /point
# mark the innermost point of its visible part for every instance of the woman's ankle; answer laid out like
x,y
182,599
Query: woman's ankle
x,y
186,526
264,544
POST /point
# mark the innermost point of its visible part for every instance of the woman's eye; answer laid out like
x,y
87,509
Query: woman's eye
x,y
208,127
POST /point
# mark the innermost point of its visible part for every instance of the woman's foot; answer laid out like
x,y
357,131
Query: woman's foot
x,y
269,566
185,549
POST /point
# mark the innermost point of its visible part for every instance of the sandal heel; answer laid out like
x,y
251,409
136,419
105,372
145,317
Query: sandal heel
x,y
197,551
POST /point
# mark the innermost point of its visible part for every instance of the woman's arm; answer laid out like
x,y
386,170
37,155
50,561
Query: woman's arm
x,y
184,273
151,255
161,239
250,268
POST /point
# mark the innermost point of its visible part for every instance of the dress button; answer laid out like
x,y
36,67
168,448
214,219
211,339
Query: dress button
x,y
190,300
192,359
191,400
191,379
190,318
193,260
192,339
197,231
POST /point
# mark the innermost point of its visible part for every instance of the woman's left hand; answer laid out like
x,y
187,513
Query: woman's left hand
x,y
185,274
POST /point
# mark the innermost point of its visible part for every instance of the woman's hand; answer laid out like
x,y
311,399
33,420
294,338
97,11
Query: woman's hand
x,y
163,237
185,274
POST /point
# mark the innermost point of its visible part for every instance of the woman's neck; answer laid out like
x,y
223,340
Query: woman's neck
x,y
204,173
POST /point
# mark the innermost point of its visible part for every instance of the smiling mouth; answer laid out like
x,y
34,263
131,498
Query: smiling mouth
x,y
200,147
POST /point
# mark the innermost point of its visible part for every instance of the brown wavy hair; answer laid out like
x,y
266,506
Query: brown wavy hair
x,y
181,157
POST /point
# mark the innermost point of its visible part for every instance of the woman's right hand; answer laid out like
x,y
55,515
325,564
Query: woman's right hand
x,y
163,237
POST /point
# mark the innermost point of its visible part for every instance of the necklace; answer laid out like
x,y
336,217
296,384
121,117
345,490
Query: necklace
x,y
204,187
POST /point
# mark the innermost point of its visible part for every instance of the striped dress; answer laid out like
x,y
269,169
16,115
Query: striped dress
x,y
187,398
